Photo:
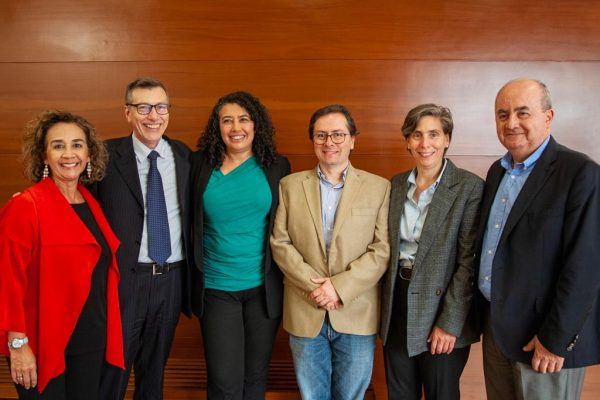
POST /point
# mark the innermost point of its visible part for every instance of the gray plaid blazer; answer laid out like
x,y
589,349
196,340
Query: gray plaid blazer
x,y
441,288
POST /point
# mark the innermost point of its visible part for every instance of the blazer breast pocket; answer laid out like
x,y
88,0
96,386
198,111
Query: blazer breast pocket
x,y
365,212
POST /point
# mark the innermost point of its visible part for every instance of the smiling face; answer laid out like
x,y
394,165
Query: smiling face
x,y
332,155
67,153
427,143
149,128
237,129
522,124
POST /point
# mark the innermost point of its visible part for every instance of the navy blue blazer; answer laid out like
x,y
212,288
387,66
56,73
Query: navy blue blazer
x,y
200,174
546,270
120,195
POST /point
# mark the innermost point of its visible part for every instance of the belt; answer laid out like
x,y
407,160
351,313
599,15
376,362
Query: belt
x,y
159,269
405,269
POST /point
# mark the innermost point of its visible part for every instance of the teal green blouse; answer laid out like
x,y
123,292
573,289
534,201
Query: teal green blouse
x,y
236,209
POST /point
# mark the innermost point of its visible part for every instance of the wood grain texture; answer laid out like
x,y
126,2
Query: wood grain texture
x,y
181,30
379,93
380,58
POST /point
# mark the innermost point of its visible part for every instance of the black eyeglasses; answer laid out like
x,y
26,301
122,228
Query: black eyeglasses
x,y
336,137
145,108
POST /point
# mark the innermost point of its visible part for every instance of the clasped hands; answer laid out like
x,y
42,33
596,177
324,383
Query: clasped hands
x,y
325,296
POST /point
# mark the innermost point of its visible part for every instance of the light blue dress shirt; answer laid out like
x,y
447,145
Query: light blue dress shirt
x,y
414,215
512,182
166,166
330,198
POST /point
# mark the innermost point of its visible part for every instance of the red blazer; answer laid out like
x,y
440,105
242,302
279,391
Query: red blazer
x,y
47,256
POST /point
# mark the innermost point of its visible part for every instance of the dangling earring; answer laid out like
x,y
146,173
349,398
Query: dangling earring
x,y
46,172
88,169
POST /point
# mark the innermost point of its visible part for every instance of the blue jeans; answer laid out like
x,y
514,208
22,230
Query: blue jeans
x,y
332,365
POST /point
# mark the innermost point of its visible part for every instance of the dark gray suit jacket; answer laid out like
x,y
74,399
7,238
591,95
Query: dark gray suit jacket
x,y
441,287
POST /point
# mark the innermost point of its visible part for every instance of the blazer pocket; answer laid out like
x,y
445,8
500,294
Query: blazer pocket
x,y
364,211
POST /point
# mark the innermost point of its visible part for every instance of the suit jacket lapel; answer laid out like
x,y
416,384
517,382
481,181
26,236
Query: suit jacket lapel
x,y
351,189
440,205
126,164
312,192
397,199
182,172
541,172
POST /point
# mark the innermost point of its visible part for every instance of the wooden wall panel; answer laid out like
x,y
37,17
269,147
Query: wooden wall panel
x,y
379,93
380,58
89,30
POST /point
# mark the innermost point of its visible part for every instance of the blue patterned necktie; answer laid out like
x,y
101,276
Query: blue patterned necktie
x,y
159,240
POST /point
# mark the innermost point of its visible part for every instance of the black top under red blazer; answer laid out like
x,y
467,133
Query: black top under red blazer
x,y
546,270
200,174
120,196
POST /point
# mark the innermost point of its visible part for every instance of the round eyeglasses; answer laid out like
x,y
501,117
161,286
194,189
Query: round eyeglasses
x,y
145,108
336,137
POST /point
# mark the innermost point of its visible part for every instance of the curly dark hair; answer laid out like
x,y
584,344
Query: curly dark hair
x,y
263,145
34,145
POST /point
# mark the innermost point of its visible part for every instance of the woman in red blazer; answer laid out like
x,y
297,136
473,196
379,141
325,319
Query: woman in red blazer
x,y
59,306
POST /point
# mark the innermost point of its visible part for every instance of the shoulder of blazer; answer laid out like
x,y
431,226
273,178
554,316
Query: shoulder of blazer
x,y
455,176
278,169
367,177
120,146
297,177
179,148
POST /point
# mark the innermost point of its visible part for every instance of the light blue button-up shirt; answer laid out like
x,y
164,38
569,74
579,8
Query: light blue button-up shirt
x,y
166,166
512,182
330,198
414,215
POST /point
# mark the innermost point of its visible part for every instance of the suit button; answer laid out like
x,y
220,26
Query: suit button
x,y
438,292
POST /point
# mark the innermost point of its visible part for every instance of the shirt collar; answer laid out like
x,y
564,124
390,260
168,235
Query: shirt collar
x,y
142,151
323,178
412,178
507,160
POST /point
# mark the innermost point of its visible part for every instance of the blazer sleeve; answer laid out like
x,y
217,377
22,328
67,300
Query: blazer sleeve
x,y
18,243
578,281
459,294
286,256
364,273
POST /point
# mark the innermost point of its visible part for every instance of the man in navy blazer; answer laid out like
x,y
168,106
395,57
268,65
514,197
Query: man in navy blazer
x,y
152,293
539,246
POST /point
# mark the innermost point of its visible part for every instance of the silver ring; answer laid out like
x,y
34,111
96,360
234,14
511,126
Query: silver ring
x,y
20,378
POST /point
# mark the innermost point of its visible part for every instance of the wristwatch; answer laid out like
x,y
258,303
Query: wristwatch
x,y
17,343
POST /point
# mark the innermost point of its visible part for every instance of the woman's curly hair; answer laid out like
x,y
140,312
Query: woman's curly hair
x,y
34,145
263,145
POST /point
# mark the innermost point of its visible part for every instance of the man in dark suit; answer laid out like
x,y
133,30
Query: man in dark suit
x,y
538,253
153,287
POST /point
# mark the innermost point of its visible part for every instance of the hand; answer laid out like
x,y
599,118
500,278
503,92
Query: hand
x,y
325,296
23,368
440,341
543,360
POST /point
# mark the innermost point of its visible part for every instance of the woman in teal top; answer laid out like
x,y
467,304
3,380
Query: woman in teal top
x,y
236,287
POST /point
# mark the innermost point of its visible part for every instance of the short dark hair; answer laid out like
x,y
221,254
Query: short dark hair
x,y
263,146
428,110
143,83
332,109
34,145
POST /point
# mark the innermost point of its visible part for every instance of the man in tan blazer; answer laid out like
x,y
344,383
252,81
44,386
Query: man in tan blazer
x,y
330,240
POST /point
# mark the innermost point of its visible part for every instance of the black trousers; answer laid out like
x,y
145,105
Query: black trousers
x,y
150,308
407,377
238,341
80,381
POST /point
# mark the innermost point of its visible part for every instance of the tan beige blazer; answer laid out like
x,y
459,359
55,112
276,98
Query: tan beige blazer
x,y
358,254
